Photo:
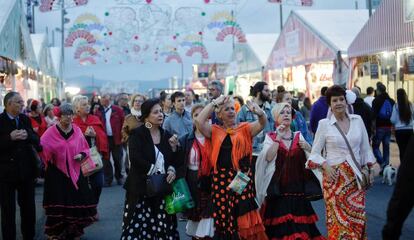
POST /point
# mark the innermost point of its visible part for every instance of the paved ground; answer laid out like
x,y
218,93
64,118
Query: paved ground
x,y
111,207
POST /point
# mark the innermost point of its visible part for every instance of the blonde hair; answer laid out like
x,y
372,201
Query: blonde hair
x,y
77,100
195,107
278,108
135,96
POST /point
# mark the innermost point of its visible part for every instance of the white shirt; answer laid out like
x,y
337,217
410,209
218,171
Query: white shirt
x,y
108,112
193,163
158,167
327,136
368,100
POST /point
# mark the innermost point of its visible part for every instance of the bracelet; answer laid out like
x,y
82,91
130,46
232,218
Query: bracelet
x,y
215,105
260,115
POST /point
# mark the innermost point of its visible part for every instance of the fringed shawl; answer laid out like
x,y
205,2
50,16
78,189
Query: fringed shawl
x,y
241,140
61,152
101,138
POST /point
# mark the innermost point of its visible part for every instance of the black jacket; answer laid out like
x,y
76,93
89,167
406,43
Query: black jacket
x,y
142,156
186,144
362,109
17,158
376,107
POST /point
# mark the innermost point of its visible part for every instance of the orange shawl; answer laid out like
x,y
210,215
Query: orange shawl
x,y
241,140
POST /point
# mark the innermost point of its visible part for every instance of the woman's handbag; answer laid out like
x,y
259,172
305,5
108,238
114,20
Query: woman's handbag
x,y
89,168
180,200
157,186
365,181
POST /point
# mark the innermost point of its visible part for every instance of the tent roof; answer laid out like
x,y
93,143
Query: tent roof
x,y
56,57
6,8
261,44
10,15
38,40
311,36
386,30
29,55
337,28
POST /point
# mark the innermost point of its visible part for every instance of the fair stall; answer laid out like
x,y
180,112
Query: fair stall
x,y
10,15
311,51
247,63
384,49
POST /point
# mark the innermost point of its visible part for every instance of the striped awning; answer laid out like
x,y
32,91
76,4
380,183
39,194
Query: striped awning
x,y
386,30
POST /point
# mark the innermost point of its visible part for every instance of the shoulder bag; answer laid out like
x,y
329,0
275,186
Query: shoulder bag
x,y
94,163
157,185
365,180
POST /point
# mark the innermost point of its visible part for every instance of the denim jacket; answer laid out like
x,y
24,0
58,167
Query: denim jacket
x,y
245,115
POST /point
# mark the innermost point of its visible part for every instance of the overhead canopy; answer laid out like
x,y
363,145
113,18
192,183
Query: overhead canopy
x,y
10,15
43,55
251,56
310,36
55,53
386,30
29,56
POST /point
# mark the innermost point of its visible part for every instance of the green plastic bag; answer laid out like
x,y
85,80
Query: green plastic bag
x,y
180,200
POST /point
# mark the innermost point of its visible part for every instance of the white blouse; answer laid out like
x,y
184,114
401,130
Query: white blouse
x,y
330,140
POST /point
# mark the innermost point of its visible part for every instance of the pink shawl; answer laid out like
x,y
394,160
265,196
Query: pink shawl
x,y
58,151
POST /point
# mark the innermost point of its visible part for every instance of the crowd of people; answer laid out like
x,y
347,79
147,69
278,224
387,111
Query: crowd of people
x,y
252,167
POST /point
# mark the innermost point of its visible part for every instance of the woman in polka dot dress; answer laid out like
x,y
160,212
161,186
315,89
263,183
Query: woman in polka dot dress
x,y
151,151
235,215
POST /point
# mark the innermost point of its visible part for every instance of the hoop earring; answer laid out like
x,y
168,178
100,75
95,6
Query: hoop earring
x,y
148,125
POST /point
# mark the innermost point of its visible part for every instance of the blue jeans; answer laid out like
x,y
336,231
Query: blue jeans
x,y
382,135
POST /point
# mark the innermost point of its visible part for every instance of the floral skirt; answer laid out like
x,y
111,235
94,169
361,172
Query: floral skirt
x,y
345,205
68,210
149,220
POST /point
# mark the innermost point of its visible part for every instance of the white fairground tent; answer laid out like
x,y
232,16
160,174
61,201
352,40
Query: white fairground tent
x,y
48,75
29,79
9,48
384,48
247,63
312,43
10,18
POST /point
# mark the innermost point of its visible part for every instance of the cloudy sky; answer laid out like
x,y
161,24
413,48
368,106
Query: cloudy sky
x,y
134,39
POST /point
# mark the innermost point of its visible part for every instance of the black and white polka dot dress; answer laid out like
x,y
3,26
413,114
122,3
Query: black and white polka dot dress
x,y
149,221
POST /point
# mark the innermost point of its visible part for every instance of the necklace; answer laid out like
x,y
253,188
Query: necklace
x,y
287,138
67,130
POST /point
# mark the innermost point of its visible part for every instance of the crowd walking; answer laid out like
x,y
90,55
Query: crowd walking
x,y
252,167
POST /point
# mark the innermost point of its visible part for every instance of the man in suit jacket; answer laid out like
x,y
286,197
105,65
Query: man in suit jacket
x,y
112,118
18,168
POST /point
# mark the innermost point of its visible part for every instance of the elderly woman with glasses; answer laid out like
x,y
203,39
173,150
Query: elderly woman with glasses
x,y
132,120
95,135
68,200
235,210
